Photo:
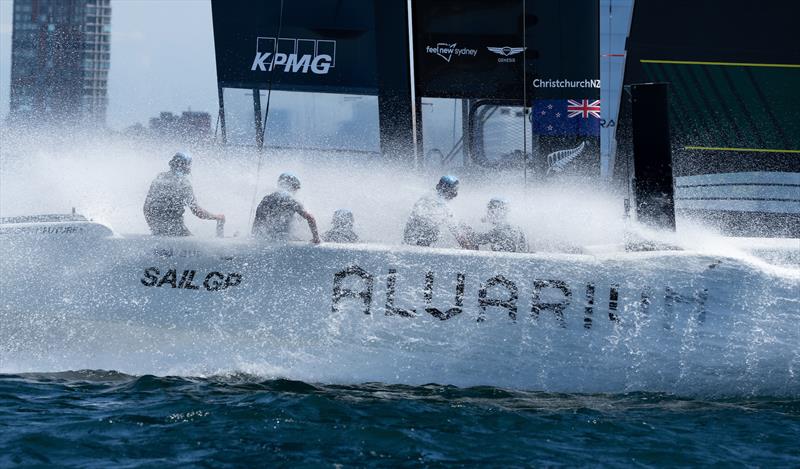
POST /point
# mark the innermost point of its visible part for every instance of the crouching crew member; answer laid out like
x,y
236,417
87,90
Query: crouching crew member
x,y
276,211
431,212
342,228
169,194
503,236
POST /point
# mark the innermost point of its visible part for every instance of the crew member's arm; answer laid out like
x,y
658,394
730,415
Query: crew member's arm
x,y
462,235
201,213
480,239
312,225
465,243
258,220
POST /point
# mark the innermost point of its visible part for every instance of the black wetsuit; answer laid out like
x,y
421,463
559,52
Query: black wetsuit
x,y
274,216
169,195
503,237
427,216
340,234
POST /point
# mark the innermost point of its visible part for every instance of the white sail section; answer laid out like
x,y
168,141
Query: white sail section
x,y
615,24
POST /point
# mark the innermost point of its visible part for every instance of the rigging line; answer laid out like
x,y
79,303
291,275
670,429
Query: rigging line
x,y
216,126
741,149
459,144
628,181
724,64
524,95
756,199
609,132
266,117
610,39
453,142
759,184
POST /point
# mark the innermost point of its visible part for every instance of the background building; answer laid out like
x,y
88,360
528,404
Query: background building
x,y
190,125
60,58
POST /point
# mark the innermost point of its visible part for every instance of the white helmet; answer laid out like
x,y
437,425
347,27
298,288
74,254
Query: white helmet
x,y
181,162
496,209
289,182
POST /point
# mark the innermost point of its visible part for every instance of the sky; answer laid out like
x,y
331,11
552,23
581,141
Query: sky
x,y
162,59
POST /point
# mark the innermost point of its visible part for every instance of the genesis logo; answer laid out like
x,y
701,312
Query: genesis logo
x,y
447,51
294,55
506,52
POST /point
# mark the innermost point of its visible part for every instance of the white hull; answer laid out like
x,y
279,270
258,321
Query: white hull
x,y
671,321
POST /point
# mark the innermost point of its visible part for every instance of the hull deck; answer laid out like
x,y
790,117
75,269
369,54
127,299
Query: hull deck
x,y
673,321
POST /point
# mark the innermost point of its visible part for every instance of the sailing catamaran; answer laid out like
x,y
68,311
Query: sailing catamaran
x,y
75,294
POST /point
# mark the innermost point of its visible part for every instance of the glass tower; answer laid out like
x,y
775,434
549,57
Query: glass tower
x,y
60,58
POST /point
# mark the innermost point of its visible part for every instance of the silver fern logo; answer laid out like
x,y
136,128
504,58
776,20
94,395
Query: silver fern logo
x,y
558,160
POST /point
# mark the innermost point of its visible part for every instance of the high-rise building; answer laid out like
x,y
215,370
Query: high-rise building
x,y
190,125
60,58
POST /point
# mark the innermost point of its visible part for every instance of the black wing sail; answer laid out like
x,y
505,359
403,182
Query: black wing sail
x,y
734,74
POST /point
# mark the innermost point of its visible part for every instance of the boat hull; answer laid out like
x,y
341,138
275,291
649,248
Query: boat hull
x,y
660,321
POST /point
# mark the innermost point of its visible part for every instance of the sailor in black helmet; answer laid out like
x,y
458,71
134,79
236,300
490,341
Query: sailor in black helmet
x,y
169,194
503,236
431,212
275,212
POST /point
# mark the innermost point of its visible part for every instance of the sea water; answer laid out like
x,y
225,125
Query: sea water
x,y
103,419
257,416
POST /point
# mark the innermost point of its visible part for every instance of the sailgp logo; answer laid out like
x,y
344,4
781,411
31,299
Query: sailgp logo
x,y
447,51
294,55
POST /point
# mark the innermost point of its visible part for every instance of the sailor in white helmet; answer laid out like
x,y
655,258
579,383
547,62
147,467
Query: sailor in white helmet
x,y
503,236
276,211
169,194
431,212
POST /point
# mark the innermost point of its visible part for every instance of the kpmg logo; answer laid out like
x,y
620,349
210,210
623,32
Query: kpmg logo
x,y
294,55
447,51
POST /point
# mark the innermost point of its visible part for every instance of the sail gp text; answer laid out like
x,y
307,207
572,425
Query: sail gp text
x,y
354,287
173,278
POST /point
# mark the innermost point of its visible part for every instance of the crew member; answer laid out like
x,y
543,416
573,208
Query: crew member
x,y
503,236
431,212
275,212
169,194
342,228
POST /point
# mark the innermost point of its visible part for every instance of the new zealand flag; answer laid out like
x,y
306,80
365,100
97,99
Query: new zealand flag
x,y
559,117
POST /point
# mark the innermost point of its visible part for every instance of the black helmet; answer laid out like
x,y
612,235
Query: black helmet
x,y
447,186
289,182
181,162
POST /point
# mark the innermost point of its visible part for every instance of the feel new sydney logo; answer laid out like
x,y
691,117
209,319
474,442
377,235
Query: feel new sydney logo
x,y
447,51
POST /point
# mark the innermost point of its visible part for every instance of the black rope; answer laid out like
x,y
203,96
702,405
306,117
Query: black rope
x,y
266,116
271,76
524,94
